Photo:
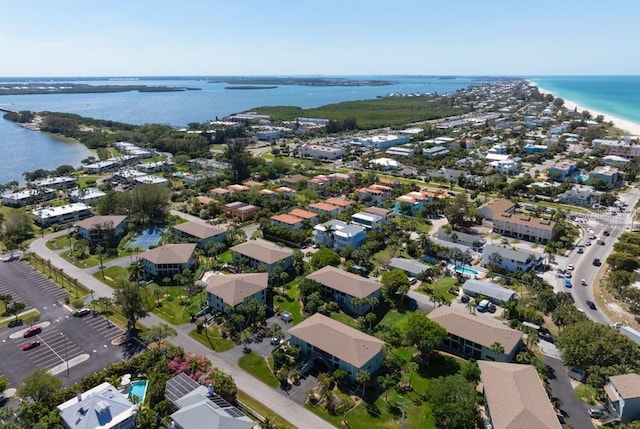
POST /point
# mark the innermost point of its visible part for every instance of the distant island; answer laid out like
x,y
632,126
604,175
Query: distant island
x,y
250,87
305,81
74,88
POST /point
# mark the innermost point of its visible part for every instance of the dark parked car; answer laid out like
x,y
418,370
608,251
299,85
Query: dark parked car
x,y
34,330
15,323
597,262
591,305
31,345
464,299
547,337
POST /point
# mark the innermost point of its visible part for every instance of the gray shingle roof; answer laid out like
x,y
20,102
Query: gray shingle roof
x,y
262,252
508,253
516,397
199,230
234,288
170,254
343,281
476,329
337,339
408,265
488,289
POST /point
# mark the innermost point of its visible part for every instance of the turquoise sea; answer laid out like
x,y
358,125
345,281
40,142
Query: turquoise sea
x,y
617,96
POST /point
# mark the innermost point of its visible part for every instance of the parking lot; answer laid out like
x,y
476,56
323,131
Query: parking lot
x,y
84,342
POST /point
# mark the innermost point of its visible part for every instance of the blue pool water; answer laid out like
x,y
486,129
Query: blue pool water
x,y
138,389
147,238
466,270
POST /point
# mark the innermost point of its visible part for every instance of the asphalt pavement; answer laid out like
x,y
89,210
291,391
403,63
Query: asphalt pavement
x,y
572,409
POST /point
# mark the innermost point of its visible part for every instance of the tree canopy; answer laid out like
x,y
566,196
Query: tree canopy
x,y
424,333
128,299
591,346
454,403
324,257
39,386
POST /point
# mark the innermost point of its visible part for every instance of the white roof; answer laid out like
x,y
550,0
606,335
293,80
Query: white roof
x,y
48,212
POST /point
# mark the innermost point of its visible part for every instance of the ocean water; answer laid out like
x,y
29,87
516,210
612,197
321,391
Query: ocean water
x,y
617,96
23,150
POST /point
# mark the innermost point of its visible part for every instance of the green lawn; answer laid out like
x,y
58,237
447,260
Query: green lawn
x,y
113,276
264,411
210,337
89,260
443,285
289,302
345,319
393,318
376,412
586,393
84,178
226,257
256,365
31,313
58,243
172,308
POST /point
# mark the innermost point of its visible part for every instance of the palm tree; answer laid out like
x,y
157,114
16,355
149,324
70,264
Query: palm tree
x,y
407,371
363,377
496,348
136,270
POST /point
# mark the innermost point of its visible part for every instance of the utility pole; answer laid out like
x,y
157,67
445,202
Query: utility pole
x,y
404,410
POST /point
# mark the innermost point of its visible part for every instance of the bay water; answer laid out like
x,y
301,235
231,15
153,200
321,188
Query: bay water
x,y
24,150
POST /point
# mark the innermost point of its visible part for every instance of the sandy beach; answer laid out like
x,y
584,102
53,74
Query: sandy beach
x,y
633,128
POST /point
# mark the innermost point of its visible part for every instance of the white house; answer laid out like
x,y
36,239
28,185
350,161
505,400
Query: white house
x,y
61,214
101,407
509,259
338,235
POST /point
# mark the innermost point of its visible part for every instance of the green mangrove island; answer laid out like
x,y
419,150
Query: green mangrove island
x,y
75,88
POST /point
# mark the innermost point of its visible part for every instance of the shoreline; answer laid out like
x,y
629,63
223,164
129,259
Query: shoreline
x,y
630,127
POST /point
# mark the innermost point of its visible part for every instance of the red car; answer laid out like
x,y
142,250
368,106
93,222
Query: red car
x,y
34,330
31,345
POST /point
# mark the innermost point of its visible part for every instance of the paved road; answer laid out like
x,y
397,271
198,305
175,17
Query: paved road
x,y
280,404
584,268
572,409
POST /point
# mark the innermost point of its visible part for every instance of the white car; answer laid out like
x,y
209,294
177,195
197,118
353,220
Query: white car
x,y
570,267
587,243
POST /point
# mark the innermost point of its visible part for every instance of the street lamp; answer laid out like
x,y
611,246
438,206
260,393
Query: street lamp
x,y
66,353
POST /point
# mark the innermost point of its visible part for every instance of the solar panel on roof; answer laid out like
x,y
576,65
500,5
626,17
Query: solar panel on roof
x,y
233,412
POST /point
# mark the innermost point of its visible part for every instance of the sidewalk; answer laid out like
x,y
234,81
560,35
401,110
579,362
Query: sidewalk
x,y
268,396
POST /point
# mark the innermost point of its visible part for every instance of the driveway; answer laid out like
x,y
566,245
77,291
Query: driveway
x,y
572,409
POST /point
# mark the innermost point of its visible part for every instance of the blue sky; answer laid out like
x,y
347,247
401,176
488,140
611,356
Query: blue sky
x,y
286,37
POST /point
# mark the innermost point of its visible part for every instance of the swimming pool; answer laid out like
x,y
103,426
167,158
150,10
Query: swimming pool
x,y
137,391
463,269
147,238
